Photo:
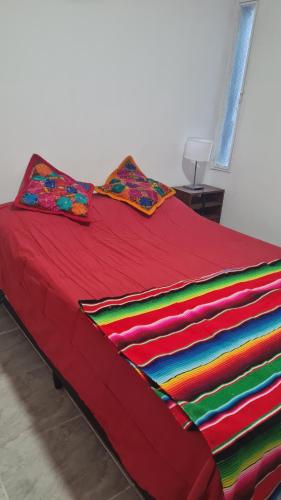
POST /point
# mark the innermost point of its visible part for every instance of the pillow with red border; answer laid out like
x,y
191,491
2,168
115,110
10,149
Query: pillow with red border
x,y
129,184
46,189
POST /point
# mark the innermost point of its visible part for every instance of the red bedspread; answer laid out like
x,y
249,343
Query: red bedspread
x,y
48,263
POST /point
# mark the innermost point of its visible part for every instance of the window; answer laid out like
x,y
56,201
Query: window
x,y
236,84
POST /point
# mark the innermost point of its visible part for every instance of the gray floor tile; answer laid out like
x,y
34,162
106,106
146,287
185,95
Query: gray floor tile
x,y
6,322
16,354
64,463
128,494
3,494
29,400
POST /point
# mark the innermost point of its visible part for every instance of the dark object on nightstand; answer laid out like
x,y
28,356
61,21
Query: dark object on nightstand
x,y
206,202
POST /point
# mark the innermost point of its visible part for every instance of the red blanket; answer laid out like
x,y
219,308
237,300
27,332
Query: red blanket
x,y
47,263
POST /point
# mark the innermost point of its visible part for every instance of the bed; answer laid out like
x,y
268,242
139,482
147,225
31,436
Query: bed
x,y
48,263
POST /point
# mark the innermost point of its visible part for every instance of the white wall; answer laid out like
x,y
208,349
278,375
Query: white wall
x,y
85,82
252,203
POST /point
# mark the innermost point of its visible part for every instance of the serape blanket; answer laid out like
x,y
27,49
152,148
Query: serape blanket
x,y
211,349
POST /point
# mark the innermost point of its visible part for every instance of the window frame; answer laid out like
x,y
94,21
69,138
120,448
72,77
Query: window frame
x,y
219,129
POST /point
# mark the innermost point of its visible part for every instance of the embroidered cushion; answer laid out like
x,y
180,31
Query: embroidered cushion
x,y
46,189
129,184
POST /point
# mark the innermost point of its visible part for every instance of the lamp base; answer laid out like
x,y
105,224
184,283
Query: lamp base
x,y
194,187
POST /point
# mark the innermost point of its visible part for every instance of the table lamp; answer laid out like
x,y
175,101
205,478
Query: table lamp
x,y
197,149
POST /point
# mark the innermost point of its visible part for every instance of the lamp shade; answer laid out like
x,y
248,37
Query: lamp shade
x,y
197,149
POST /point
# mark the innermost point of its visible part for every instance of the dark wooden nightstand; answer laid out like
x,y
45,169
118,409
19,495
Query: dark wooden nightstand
x,y
206,202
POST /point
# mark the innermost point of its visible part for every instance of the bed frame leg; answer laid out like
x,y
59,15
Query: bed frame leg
x,y
57,381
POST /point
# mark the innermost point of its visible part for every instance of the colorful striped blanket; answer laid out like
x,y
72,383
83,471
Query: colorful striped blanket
x,y
212,350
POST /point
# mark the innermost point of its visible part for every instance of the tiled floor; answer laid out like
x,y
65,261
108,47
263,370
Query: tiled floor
x,y
47,450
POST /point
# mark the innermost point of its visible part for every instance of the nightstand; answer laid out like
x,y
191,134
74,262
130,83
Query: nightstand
x,y
206,202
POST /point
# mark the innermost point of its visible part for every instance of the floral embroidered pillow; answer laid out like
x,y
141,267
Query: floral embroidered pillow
x,y
129,184
46,189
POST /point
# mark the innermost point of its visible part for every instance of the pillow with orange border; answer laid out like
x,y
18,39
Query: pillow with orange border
x,y
129,184
46,189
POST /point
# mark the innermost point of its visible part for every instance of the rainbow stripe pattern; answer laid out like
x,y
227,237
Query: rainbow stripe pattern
x,y
211,349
